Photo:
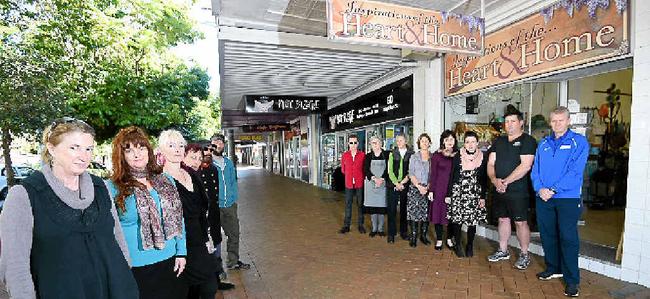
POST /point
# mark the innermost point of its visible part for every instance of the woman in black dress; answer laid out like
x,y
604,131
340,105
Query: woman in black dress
x,y
467,191
200,269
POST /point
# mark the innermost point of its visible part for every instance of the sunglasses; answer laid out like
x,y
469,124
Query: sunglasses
x,y
63,120
354,142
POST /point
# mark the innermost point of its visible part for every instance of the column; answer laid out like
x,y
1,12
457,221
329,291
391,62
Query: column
x,y
636,244
314,149
428,87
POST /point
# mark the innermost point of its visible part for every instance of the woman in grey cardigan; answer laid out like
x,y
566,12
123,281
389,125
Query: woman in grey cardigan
x,y
418,202
59,230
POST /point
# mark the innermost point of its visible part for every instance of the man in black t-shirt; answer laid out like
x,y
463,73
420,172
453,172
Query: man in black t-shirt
x,y
509,163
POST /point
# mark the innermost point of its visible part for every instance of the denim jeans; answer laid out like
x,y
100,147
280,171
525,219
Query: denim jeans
x,y
349,194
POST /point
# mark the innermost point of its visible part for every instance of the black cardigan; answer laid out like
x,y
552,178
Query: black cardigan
x,y
455,174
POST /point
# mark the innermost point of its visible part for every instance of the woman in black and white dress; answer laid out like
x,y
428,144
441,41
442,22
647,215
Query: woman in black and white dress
x,y
467,191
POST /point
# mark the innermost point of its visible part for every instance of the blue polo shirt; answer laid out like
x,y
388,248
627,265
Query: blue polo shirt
x,y
560,164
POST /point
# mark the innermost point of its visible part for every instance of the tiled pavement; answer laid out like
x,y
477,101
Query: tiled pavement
x,y
289,234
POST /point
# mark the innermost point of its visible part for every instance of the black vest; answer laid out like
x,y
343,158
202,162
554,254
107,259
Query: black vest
x,y
74,252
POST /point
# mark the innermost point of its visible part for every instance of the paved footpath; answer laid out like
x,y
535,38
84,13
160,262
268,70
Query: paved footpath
x,y
289,234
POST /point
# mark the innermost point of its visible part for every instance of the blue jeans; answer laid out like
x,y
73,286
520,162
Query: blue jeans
x,y
349,194
557,220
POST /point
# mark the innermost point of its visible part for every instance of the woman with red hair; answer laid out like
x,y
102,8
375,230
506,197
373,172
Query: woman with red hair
x,y
151,215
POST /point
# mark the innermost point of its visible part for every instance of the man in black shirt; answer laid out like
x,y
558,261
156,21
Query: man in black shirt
x,y
509,163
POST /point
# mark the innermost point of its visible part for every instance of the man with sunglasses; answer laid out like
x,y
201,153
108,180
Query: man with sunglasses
x,y
352,169
228,195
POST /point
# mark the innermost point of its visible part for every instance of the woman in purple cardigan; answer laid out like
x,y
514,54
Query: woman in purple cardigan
x,y
439,175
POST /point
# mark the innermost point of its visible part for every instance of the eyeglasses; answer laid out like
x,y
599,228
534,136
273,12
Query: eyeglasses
x,y
354,142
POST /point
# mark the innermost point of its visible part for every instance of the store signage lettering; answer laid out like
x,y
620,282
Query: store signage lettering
x,y
565,34
266,128
250,137
350,116
390,25
274,104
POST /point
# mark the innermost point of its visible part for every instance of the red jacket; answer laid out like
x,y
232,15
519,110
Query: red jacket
x,y
353,169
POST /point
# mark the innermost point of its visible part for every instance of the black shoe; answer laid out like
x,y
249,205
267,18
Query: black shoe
x,y
240,266
547,275
571,290
469,250
459,251
450,246
381,234
391,239
224,286
438,247
344,230
362,230
424,230
373,234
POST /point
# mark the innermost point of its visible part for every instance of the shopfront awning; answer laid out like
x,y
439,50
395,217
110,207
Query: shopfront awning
x,y
279,47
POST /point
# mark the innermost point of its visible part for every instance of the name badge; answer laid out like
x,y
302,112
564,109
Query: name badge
x,y
517,143
566,146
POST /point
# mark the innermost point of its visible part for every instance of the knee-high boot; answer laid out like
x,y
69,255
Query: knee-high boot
x,y
458,248
413,238
424,233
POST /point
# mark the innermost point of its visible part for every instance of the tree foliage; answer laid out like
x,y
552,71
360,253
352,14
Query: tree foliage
x,y
103,61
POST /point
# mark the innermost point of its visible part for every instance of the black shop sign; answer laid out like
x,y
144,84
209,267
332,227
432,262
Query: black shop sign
x,y
392,101
282,104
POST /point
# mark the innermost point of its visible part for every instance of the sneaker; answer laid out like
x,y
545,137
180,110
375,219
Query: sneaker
x,y
571,290
547,275
498,256
224,286
523,261
223,276
239,265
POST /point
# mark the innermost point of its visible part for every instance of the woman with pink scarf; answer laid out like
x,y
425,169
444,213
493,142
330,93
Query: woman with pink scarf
x,y
467,191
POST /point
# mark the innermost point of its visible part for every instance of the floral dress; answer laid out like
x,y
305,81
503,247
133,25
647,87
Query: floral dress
x,y
464,206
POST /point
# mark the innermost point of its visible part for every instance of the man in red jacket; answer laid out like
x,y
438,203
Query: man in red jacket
x,y
352,168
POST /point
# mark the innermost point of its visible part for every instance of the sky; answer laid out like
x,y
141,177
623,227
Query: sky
x,y
203,52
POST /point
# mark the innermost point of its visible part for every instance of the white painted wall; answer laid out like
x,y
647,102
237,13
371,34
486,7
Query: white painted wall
x,y
636,248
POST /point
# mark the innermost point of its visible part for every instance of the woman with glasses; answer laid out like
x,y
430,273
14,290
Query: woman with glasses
x,y
59,230
418,203
376,172
200,270
466,192
151,215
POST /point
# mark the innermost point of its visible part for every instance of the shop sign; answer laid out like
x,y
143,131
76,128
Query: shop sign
x,y
266,128
390,102
395,26
568,33
257,138
281,104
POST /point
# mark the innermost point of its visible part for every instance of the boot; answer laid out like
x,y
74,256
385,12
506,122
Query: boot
x,y
469,249
424,230
458,247
413,238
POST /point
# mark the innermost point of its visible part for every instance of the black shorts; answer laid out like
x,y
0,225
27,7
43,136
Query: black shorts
x,y
513,206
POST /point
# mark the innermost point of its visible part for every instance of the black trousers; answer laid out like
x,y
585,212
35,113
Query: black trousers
x,y
391,208
158,281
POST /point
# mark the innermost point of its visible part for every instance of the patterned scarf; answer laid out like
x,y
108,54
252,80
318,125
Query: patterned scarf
x,y
153,231
471,161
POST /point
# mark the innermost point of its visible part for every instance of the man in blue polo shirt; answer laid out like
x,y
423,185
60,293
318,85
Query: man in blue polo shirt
x,y
557,176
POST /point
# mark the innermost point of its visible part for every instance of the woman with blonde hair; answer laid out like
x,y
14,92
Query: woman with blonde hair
x,y
60,233
200,273
151,215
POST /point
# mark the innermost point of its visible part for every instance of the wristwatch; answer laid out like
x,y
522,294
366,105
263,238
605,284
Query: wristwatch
x,y
552,190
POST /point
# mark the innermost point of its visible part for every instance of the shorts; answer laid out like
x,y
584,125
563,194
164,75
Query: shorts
x,y
513,206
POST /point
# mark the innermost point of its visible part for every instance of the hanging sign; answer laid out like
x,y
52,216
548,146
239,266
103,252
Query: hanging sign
x,y
266,128
257,138
568,33
395,26
280,104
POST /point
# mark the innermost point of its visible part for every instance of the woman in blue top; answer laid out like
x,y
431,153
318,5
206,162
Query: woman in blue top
x,y
151,215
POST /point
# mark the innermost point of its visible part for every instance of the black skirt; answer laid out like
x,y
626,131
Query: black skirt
x,y
159,281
